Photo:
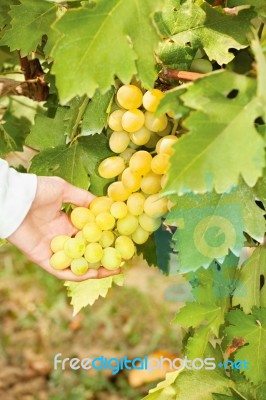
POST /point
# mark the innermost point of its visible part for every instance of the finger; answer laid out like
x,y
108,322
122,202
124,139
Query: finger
x,y
77,196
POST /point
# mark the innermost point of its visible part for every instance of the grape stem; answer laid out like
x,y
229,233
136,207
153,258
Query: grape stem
x,y
169,73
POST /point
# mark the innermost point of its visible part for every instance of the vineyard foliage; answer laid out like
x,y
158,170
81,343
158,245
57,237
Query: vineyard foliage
x,y
61,65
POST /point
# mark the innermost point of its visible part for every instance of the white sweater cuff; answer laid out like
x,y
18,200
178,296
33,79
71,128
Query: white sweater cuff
x,y
17,192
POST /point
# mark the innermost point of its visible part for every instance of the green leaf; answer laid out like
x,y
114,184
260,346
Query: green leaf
x,y
172,102
116,37
17,128
96,114
30,21
215,153
7,143
87,292
259,5
163,249
4,10
252,328
261,67
77,108
202,26
248,291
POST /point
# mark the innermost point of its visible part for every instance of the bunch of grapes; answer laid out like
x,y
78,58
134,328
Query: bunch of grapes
x,y
113,225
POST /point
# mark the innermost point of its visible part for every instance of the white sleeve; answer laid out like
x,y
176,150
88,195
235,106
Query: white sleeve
x,y
17,192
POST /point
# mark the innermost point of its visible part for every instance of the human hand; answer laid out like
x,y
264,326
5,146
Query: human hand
x,y
45,220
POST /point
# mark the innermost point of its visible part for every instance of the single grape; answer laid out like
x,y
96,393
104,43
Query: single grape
x,y
80,236
160,163
60,260
129,96
125,246
135,203
100,204
94,265
201,65
141,137
118,209
133,120
151,144
107,239
140,162
140,236
148,223
118,192
131,180
111,167
115,120
58,243
151,183
79,266
80,216
165,144
74,248
155,206
111,258
155,124
93,252
92,232
119,141
105,220
151,99
166,131
127,225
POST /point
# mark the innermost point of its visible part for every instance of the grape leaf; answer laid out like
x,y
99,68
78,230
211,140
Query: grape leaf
x,y
202,26
17,128
4,10
87,292
163,249
98,43
252,328
259,5
149,251
248,291
7,143
77,108
30,21
172,102
214,153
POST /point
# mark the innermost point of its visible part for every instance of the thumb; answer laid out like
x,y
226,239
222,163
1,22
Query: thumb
x,y
77,196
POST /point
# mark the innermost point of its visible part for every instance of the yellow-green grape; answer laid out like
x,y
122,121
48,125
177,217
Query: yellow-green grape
x,y
80,236
111,167
133,120
155,206
151,99
140,162
165,144
148,223
160,163
151,183
119,141
127,154
201,65
115,120
94,265
118,209
58,243
131,180
80,216
164,181
74,248
107,239
141,137
92,232
151,144
100,204
105,220
155,124
111,258
199,54
93,253
127,225
166,131
125,246
135,203
118,192
129,96
79,266
60,260
140,236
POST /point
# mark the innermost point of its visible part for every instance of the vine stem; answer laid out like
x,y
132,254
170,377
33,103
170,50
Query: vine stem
x,y
176,74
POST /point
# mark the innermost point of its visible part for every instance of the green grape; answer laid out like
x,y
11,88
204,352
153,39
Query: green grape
x,y
118,192
60,260
119,141
105,221
80,216
127,225
107,238
131,180
151,99
79,266
135,203
160,163
94,265
148,223
93,253
111,167
115,120
155,206
151,183
129,96
140,236
140,162
151,144
111,258
125,246
118,209
58,243
201,65
141,137
165,144
155,124
92,232
166,131
127,154
74,248
100,204
200,53
80,236
133,120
